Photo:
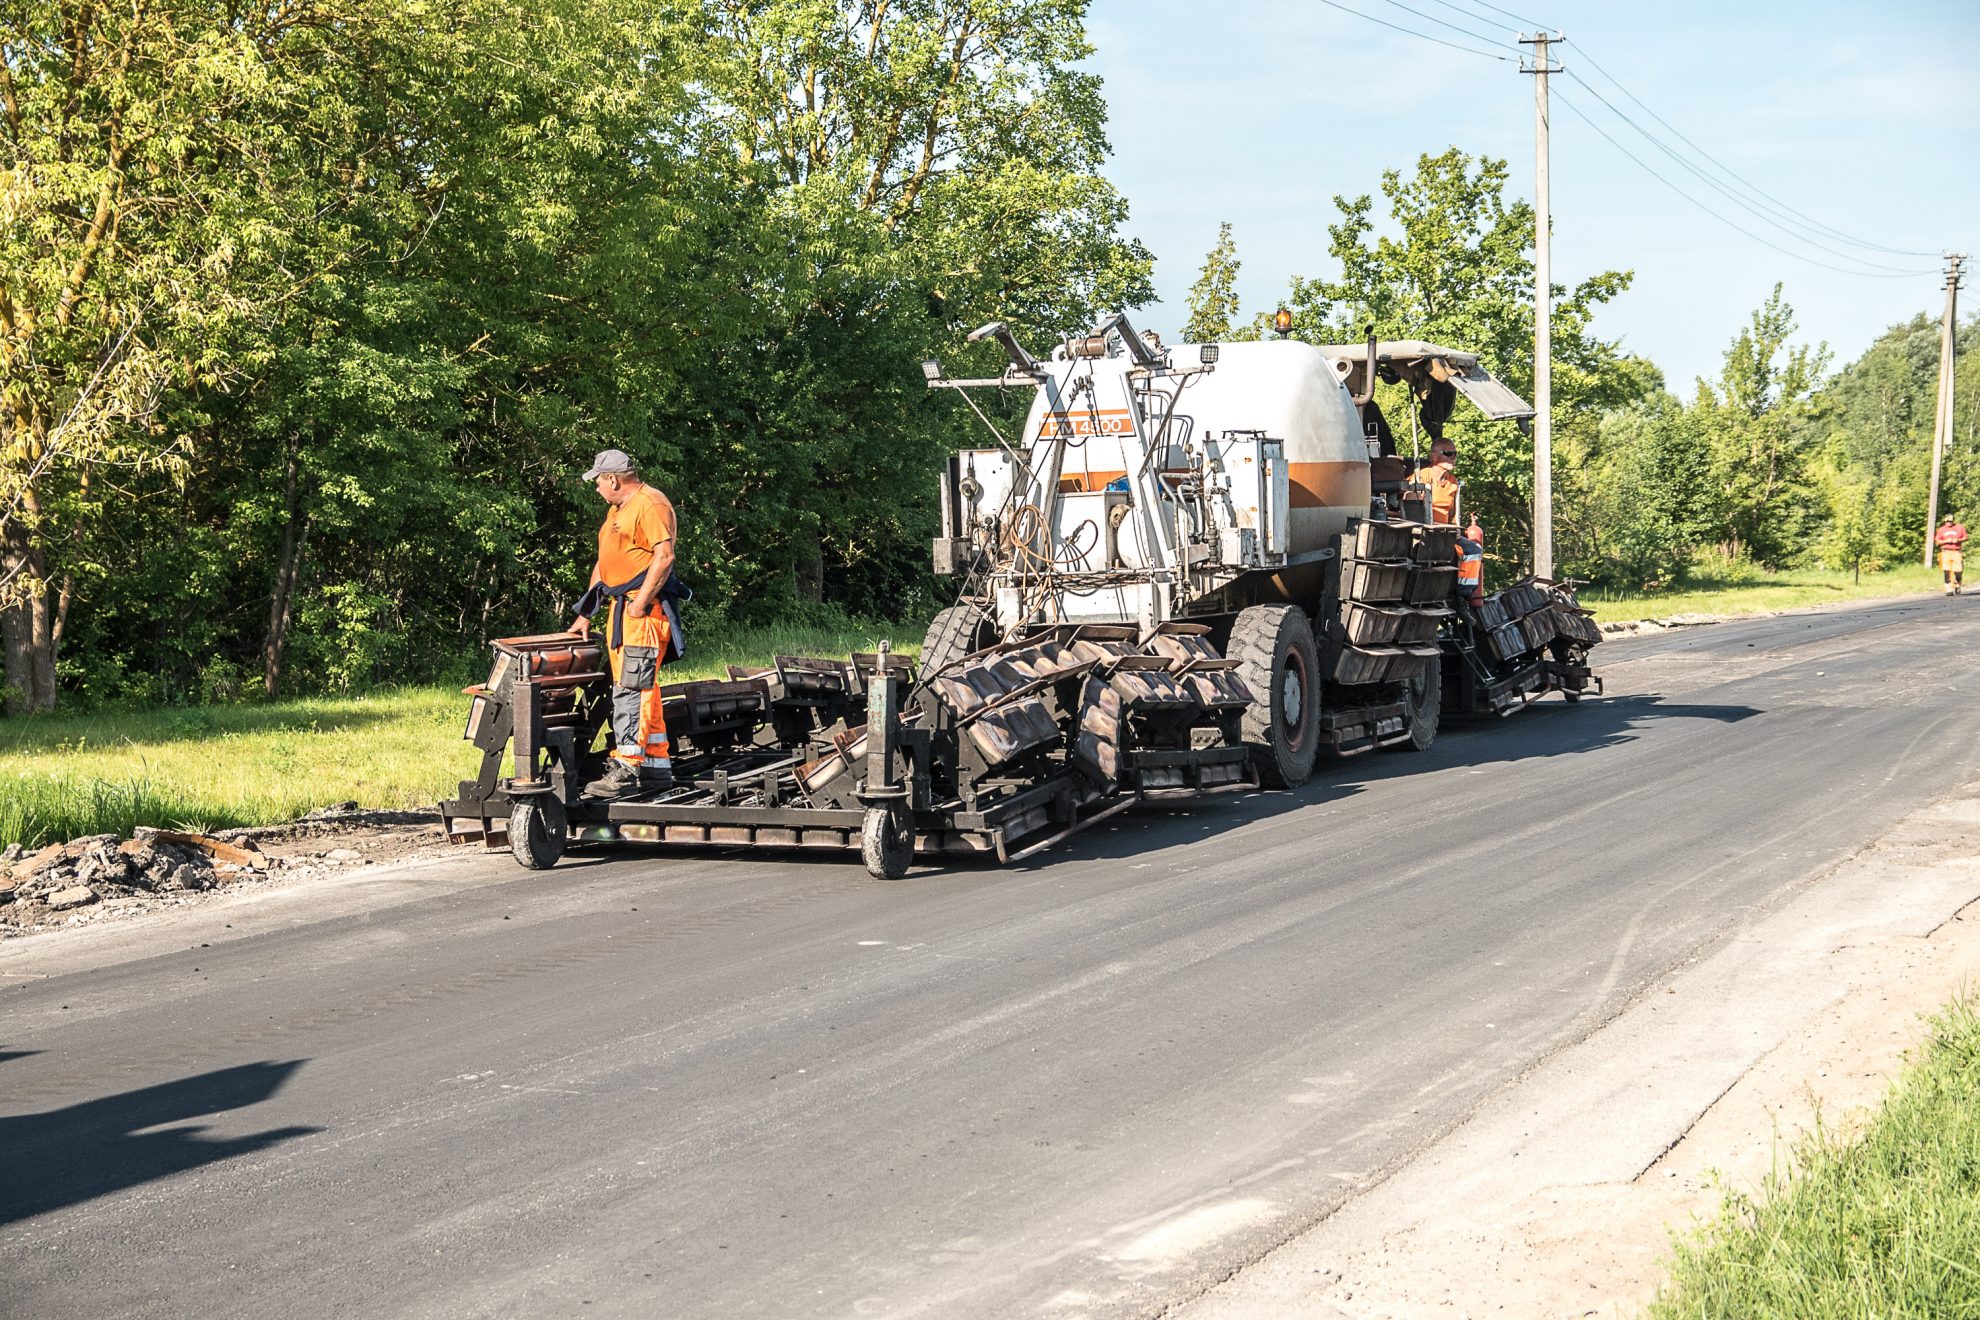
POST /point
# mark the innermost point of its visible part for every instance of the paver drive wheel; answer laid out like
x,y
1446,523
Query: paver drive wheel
x,y
960,630
1423,702
1273,645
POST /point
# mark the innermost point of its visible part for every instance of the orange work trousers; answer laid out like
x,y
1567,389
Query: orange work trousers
x,y
639,728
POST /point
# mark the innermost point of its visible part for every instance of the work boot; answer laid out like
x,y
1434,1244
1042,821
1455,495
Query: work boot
x,y
655,778
618,781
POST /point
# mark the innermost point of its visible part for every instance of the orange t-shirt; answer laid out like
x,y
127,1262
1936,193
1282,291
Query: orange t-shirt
x,y
631,533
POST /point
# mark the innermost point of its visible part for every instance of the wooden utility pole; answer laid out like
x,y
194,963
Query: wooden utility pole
x,y
1543,315
1942,416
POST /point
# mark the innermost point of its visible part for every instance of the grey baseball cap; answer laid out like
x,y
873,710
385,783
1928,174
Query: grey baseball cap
x,y
608,460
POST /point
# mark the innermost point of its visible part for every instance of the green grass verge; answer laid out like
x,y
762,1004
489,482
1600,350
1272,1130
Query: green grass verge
x,y
210,767
1884,1225
1757,592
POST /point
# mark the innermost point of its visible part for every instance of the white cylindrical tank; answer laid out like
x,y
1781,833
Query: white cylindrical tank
x,y
1291,392
1287,390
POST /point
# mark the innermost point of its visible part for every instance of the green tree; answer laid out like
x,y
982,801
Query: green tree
x,y
1647,496
1876,419
1213,301
1759,420
147,148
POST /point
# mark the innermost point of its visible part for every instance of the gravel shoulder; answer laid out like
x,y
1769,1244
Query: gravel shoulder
x,y
1559,1197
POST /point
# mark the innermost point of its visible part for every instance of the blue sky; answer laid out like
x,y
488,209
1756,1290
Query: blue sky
x,y
1864,118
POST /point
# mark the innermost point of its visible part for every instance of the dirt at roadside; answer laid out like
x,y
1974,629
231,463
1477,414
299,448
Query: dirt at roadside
x,y
107,877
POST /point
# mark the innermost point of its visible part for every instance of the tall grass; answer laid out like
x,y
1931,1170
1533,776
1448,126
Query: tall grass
x,y
35,811
211,767
1885,1225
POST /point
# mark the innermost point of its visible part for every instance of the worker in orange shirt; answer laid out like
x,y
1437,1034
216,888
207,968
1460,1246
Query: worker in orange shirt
x,y
1440,475
1951,540
632,579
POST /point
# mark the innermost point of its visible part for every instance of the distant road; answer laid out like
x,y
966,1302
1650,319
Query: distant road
x,y
1091,1085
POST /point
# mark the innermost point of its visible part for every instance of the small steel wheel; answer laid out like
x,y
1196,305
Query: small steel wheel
x,y
538,830
886,842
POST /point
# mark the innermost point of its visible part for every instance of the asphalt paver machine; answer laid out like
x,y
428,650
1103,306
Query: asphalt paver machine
x,y
1191,572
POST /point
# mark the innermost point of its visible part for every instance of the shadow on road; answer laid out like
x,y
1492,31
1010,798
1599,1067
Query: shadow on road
x,y
1148,828
67,1156
1548,728
1555,728
6,1055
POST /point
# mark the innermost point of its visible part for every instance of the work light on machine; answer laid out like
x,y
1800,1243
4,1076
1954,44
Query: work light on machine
x,y
1282,322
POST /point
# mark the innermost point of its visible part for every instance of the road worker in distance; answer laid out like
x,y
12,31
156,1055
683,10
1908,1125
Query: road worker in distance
x,y
1440,475
1471,564
633,579
1951,540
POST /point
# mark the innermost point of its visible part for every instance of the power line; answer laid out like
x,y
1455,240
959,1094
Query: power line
x,y
1751,187
1524,22
1721,218
1421,36
1444,22
1881,271
1472,15
1729,194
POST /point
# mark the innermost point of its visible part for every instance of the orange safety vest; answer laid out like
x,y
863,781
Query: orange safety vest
x,y
1443,484
1471,563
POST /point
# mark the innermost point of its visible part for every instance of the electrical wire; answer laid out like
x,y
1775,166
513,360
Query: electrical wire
x,y
1467,13
1509,14
1769,207
1421,36
1719,216
1732,196
1444,22
1784,208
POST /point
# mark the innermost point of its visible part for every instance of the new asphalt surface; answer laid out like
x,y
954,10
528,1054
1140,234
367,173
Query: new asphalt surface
x,y
1092,1084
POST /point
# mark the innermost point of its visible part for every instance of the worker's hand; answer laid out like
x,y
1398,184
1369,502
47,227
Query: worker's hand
x,y
638,611
581,626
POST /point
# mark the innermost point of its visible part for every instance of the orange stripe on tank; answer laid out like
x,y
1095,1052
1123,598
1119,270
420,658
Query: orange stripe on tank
x,y
1323,485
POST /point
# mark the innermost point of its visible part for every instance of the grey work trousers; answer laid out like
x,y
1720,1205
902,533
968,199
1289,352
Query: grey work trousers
x,y
625,721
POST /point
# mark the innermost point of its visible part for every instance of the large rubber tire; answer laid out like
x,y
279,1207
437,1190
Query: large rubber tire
x,y
1423,698
1273,645
960,630
538,830
886,842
